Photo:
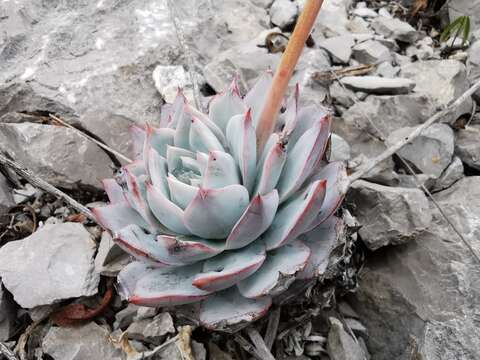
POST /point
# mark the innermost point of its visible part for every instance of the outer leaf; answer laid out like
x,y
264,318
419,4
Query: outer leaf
x,y
157,171
113,190
294,217
255,98
142,246
271,167
180,250
291,113
228,268
321,242
116,216
226,105
242,141
228,307
278,271
303,157
335,174
182,131
213,212
256,219
146,286
306,118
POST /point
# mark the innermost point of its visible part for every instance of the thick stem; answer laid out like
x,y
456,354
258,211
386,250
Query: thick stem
x,y
285,70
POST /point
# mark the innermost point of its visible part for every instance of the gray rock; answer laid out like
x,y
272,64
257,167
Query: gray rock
x,y
388,215
110,258
378,85
431,152
86,342
395,29
389,113
384,12
56,261
341,346
339,48
112,129
6,195
452,174
407,180
467,147
152,330
425,295
69,161
339,148
371,52
125,317
443,80
8,313
283,13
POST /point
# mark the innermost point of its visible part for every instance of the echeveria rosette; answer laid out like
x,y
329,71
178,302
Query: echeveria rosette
x,y
209,220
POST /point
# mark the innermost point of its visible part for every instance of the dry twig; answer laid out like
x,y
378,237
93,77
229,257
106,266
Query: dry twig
x,y
88,137
42,184
272,327
259,344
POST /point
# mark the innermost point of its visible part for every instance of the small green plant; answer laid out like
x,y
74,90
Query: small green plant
x,y
459,27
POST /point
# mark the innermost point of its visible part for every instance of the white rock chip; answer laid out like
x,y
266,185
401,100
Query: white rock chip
x,y
378,85
52,264
283,13
169,78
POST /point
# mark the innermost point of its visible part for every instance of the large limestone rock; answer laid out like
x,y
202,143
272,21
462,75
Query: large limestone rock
x,y
99,55
57,154
52,264
467,146
422,298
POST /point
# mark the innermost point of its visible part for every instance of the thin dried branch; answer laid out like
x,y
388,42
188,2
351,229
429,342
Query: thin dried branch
x,y
187,52
370,164
88,137
285,70
42,184
247,346
259,344
331,75
272,327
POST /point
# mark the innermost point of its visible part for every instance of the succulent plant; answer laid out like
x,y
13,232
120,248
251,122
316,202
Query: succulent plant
x,y
210,220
